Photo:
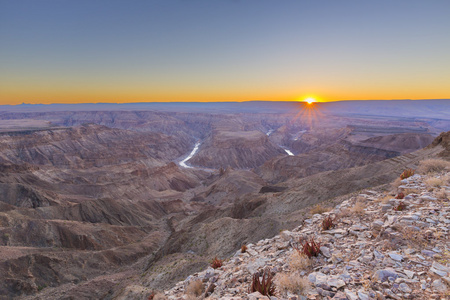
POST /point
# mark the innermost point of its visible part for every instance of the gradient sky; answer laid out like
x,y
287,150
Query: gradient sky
x,y
209,50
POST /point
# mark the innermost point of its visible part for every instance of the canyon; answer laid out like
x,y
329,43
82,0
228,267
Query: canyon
x,y
96,197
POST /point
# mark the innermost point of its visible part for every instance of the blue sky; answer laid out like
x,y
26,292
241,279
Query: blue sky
x,y
120,51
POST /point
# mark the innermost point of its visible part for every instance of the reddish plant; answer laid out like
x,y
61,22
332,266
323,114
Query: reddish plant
x,y
400,196
216,263
407,173
244,248
327,223
309,249
152,295
263,285
401,206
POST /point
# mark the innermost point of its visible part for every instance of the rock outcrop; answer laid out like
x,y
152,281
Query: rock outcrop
x,y
375,251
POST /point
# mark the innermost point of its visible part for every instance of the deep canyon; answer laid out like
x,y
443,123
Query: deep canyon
x,y
96,193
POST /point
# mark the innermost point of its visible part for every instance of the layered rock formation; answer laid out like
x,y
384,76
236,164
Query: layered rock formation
x,y
87,210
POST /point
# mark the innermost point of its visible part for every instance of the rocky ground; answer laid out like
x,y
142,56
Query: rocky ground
x,y
374,251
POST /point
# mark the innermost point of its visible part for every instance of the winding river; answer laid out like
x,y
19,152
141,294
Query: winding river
x,y
288,152
183,162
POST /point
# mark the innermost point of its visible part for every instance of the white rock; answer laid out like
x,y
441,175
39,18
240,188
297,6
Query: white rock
x,y
395,256
439,286
350,295
404,288
409,273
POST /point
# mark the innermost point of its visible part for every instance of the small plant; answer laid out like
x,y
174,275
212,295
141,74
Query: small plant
x,y
400,207
195,288
318,209
396,183
433,165
216,263
160,296
407,173
327,223
151,296
358,208
442,194
292,282
400,196
41,287
434,182
244,248
263,285
309,249
299,261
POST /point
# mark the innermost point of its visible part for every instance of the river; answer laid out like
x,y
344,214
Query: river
x,y
183,162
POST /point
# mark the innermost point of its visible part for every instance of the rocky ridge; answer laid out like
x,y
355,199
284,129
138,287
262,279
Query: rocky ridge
x,y
373,252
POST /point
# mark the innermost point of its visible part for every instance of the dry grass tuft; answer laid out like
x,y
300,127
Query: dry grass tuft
x,y
319,209
443,195
396,183
293,283
385,199
344,213
195,288
299,261
411,191
433,165
434,182
358,208
413,238
160,296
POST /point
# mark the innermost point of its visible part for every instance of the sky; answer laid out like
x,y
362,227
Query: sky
x,y
60,51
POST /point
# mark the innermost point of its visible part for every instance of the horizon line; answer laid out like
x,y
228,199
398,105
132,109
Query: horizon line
x,y
206,102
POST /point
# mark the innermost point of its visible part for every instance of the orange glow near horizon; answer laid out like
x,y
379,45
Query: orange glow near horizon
x,y
47,94
310,100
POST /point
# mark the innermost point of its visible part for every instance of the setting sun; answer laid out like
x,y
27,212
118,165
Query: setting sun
x,y
310,100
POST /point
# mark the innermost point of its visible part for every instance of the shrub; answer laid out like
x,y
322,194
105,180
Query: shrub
x,y
151,296
358,208
309,249
216,263
407,173
264,285
400,196
433,165
291,282
318,209
244,248
299,261
195,288
327,223
396,183
442,194
434,182
400,207
157,296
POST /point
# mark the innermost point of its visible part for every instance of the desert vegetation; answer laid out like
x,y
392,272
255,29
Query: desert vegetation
x,y
262,282
216,263
407,173
291,282
328,223
309,247
433,165
299,261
